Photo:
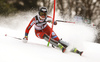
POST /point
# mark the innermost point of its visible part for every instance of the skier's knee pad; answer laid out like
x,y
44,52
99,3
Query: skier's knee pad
x,y
54,36
57,39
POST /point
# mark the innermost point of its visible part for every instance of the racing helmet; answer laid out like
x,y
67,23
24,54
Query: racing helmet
x,y
43,11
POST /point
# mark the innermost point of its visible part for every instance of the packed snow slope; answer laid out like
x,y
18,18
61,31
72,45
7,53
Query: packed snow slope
x,y
80,36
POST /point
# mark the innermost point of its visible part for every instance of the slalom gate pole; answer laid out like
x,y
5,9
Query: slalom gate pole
x,y
52,23
65,21
13,37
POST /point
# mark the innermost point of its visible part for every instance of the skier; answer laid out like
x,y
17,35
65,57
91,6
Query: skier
x,y
42,29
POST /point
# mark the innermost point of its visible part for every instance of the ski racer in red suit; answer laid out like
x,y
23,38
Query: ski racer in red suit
x,y
42,29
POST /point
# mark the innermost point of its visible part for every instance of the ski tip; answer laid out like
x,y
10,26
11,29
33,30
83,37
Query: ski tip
x,y
5,34
81,53
63,49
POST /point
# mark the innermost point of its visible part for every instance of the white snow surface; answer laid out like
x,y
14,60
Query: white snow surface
x,y
80,36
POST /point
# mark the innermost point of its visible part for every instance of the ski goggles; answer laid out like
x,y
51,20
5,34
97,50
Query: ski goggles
x,y
43,13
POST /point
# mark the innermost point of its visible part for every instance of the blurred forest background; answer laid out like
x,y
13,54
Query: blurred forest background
x,y
88,9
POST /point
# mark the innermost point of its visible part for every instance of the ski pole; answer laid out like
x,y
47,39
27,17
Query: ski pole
x,y
65,21
13,37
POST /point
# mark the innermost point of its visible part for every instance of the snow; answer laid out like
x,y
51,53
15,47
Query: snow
x,y
77,35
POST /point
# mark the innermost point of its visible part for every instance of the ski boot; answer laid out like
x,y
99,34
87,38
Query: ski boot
x,y
62,47
77,51
65,44
54,43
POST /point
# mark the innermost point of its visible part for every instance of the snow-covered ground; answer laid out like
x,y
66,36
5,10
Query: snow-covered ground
x,y
77,35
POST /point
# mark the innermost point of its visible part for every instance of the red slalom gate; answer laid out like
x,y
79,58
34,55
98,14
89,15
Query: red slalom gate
x,y
52,22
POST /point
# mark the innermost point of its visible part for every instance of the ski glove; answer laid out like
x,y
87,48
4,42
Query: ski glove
x,y
55,22
25,39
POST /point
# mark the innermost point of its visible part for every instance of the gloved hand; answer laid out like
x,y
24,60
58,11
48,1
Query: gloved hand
x,y
25,39
55,22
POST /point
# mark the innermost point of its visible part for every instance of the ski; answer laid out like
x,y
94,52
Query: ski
x,y
77,51
13,37
60,46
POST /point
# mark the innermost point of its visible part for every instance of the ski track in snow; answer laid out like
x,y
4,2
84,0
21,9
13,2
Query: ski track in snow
x,y
77,35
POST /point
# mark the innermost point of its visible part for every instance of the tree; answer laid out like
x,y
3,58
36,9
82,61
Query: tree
x,y
6,8
86,8
25,4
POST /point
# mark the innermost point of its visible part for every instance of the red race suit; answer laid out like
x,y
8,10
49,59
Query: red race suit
x,y
41,27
